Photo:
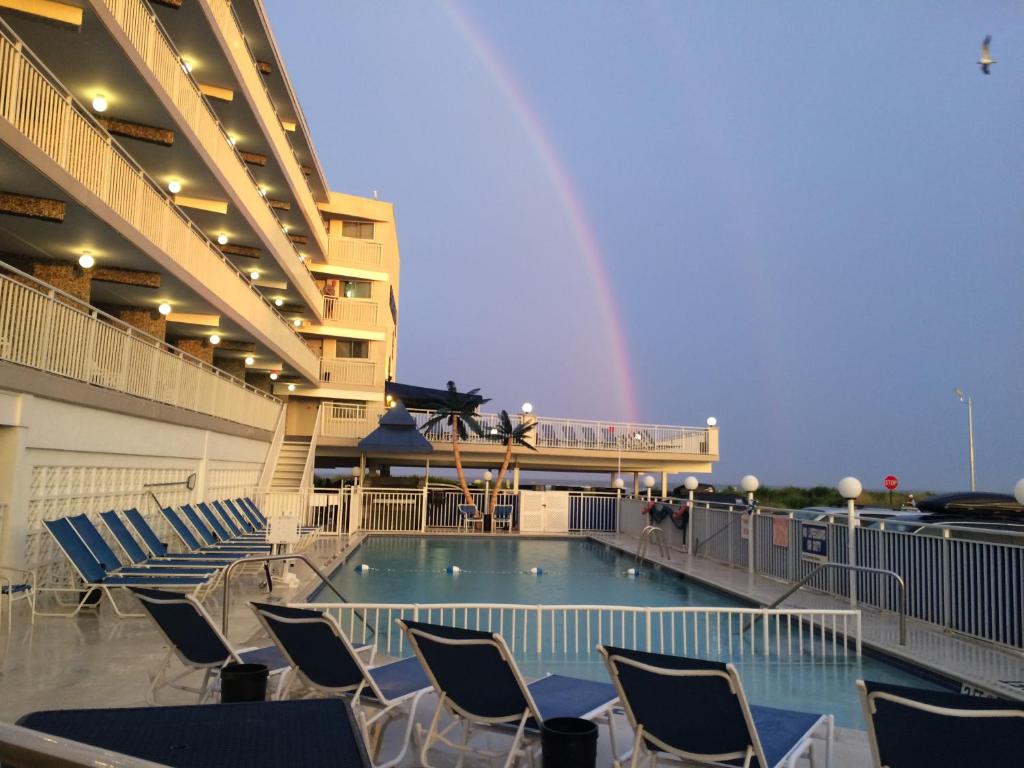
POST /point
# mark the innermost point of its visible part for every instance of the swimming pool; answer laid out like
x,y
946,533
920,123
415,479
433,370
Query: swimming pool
x,y
529,572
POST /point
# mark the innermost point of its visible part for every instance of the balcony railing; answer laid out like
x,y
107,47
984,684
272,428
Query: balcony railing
x,y
348,420
47,116
51,331
357,313
252,80
348,370
354,252
153,44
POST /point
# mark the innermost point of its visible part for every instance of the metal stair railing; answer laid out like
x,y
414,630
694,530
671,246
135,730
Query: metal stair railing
x,y
652,533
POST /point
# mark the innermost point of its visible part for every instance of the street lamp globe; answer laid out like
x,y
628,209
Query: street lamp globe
x,y
849,487
488,476
618,483
712,421
1018,491
749,484
527,407
648,482
691,483
356,471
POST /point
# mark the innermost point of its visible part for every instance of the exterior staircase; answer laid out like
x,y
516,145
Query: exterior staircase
x,y
291,463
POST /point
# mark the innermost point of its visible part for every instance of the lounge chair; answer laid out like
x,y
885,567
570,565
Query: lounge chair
x,y
470,517
157,548
502,516
227,508
208,536
478,683
222,532
198,644
16,584
912,728
696,711
137,555
94,576
324,659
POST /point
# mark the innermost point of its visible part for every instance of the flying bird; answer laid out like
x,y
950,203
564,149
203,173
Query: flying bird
x,y
986,59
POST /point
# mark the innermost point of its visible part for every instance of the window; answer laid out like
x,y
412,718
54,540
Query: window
x,y
358,289
352,348
361,229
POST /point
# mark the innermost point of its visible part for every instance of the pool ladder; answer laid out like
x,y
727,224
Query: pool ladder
x,y
657,535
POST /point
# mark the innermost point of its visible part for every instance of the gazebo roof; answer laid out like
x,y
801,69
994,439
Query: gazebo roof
x,y
397,433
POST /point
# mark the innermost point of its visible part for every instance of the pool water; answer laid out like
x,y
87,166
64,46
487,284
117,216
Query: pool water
x,y
581,572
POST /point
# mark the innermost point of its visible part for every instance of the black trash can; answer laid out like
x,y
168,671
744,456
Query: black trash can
x,y
568,742
243,682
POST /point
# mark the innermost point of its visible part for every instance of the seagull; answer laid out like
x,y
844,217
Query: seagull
x,y
986,59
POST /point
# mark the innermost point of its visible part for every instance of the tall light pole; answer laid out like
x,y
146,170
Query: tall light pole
x,y
970,427
850,488
690,483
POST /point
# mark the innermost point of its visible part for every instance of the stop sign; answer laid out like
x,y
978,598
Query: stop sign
x,y
891,482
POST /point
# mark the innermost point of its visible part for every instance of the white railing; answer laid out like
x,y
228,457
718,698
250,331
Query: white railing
x,y
51,331
390,511
351,420
307,469
325,509
975,587
619,437
237,46
348,370
152,43
443,505
571,632
358,313
32,101
355,252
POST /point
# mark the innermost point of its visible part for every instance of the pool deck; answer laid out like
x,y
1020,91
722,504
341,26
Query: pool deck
x,y
98,660
951,657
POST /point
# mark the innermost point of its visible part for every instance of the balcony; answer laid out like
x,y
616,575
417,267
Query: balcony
x,y
51,331
353,252
354,313
41,121
348,371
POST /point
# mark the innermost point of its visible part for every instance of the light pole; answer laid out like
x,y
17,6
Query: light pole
x,y
648,484
970,427
690,483
850,488
749,484
618,484
488,476
1018,491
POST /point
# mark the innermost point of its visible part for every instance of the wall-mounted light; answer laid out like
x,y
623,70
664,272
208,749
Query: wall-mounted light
x,y
222,239
174,186
255,274
164,308
86,261
249,360
215,340
273,376
712,421
302,257
291,387
297,322
527,407
99,102
278,302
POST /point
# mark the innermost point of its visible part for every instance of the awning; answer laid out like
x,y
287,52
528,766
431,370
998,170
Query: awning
x,y
397,433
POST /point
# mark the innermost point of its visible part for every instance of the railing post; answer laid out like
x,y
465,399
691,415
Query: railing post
x,y
946,585
647,622
540,634
764,630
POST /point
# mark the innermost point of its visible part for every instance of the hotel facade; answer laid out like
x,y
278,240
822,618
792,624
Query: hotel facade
x,y
187,310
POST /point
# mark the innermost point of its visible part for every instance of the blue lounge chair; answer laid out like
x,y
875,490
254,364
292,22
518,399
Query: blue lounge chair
x,y
696,711
469,516
183,532
912,728
210,539
198,644
503,516
134,551
221,532
253,524
94,577
112,564
478,684
324,659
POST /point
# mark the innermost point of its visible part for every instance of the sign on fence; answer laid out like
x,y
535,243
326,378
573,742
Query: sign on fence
x,y
745,523
780,531
814,542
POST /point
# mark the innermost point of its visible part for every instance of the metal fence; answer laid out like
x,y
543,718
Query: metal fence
x,y
975,587
572,631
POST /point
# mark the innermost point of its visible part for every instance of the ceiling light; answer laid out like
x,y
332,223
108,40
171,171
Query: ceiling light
x,y
302,257
99,102
186,65
279,302
284,228
249,360
255,274
297,322
231,140
215,339
273,376
291,387
262,190
174,187
164,308
222,239
86,261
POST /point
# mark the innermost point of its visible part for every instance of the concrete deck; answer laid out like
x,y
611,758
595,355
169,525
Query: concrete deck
x,y
98,660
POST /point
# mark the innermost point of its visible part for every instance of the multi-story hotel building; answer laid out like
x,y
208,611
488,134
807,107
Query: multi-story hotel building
x,y
186,309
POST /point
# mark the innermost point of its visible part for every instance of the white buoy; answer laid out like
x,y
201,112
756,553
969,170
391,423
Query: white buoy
x,y
537,571
632,572
363,567
453,569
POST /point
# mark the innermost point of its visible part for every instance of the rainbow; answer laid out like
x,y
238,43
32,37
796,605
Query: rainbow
x,y
570,199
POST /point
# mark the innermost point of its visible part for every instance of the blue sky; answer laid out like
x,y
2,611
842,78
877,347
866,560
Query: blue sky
x,y
809,213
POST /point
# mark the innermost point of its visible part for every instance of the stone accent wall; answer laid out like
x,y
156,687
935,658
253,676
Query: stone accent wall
x,y
62,275
146,320
260,381
197,348
233,365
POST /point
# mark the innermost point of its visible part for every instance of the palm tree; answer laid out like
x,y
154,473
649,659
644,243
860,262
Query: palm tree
x,y
510,435
459,411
